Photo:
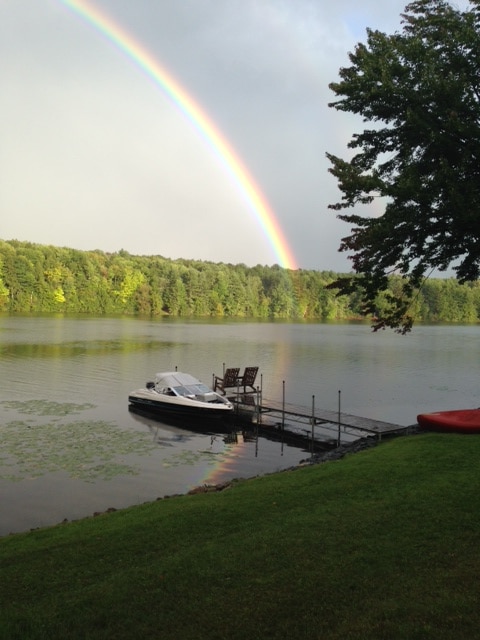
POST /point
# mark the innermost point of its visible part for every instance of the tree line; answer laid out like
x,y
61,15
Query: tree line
x,y
44,278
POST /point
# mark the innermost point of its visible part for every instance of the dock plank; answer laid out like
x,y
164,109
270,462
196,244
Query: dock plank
x,y
299,413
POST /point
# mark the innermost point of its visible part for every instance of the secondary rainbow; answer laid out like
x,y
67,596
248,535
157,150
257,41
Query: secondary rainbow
x,y
203,124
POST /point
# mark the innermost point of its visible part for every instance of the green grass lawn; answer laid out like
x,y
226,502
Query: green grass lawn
x,y
382,544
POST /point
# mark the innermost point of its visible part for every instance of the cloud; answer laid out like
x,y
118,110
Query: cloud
x,y
94,155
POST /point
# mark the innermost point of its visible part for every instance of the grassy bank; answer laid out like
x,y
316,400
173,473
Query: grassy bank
x,y
382,544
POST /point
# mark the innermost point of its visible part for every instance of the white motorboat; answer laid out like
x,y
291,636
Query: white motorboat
x,y
179,394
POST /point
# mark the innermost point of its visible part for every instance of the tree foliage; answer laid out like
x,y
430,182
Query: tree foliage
x,y
419,90
38,278
41,278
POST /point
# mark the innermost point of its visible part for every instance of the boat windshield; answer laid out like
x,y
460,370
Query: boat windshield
x,y
191,389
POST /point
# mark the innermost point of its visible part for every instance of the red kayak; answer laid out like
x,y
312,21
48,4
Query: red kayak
x,y
460,421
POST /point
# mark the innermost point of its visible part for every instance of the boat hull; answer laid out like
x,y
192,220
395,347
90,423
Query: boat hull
x,y
201,425
460,421
159,407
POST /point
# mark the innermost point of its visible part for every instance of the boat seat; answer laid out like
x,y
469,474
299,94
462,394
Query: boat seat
x,y
230,379
248,379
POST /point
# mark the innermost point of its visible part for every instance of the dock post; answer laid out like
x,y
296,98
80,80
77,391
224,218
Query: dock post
x,y
260,399
339,439
258,408
283,405
313,424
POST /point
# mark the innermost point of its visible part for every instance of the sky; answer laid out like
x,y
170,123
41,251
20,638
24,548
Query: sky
x,y
94,153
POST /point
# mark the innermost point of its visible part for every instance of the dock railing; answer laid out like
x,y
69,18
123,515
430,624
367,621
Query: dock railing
x,y
343,427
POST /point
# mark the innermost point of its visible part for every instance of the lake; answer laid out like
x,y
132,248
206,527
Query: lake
x,y
70,446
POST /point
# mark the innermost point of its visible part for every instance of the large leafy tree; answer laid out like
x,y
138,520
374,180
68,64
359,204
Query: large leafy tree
x,y
419,92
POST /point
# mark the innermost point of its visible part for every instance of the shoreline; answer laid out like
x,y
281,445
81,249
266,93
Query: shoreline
x,y
338,453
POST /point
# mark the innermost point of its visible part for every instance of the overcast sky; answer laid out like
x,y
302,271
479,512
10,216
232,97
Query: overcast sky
x,y
93,155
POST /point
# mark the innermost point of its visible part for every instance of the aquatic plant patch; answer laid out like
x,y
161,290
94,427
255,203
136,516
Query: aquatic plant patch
x,y
85,450
45,407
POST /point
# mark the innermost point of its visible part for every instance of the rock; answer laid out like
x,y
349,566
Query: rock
x,y
341,451
209,488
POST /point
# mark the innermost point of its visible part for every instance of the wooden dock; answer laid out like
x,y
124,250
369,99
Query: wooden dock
x,y
319,425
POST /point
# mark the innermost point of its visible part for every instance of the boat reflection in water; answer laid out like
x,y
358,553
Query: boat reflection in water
x,y
230,449
180,427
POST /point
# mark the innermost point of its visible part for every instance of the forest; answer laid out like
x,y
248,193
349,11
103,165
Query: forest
x,y
42,278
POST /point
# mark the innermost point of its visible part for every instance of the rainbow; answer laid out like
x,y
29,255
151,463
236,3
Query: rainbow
x,y
199,119
222,466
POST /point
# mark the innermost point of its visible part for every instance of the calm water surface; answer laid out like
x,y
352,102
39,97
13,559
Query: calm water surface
x,y
70,446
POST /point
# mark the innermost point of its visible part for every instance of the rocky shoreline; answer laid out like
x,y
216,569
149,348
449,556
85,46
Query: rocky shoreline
x,y
318,458
341,451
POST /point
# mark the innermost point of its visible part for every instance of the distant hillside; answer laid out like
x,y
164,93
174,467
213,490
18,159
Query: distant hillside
x,y
44,278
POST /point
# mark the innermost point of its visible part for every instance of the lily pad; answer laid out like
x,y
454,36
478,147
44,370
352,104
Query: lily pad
x,y
85,450
45,407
